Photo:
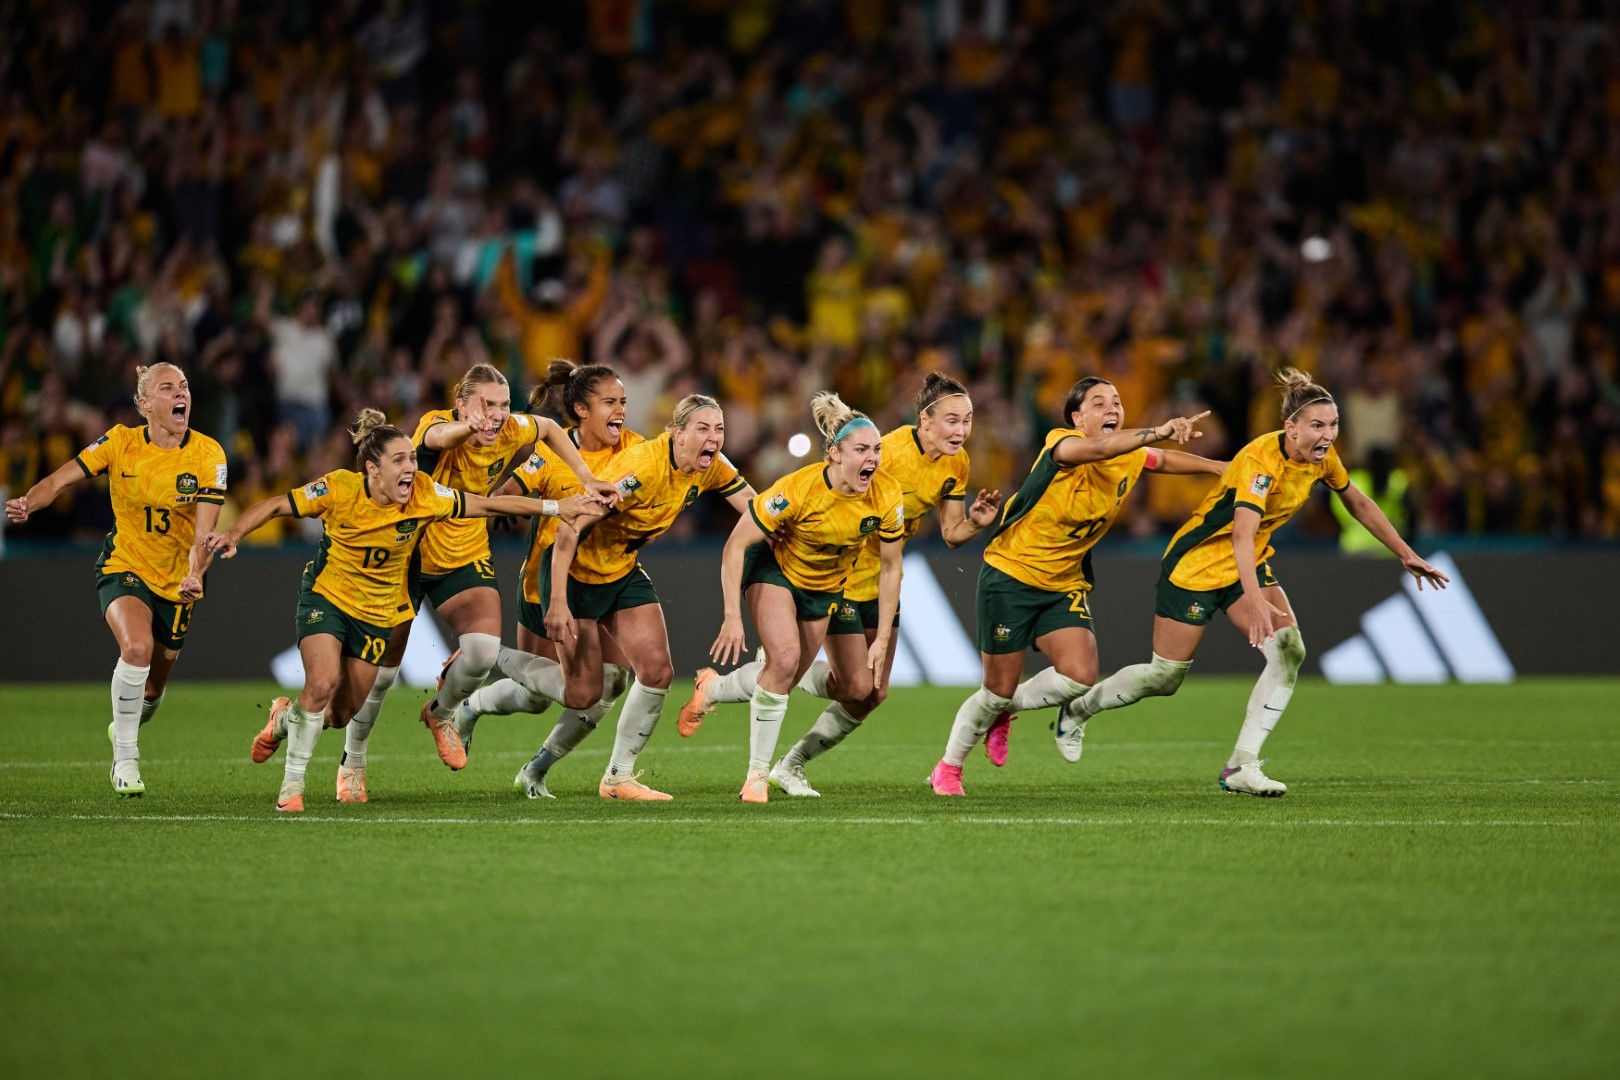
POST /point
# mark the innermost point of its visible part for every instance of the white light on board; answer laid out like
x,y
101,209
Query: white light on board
x,y
799,445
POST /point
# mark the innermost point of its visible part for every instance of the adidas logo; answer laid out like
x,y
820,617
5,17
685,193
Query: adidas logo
x,y
1427,637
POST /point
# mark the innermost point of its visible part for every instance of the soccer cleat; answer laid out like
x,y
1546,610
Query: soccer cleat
x,y
445,739
1070,735
531,784
465,717
995,740
792,781
351,784
754,789
126,779
1248,779
274,732
946,779
695,709
630,787
291,799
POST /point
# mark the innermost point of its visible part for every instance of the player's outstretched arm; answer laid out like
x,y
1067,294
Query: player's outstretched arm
x,y
958,525
1179,461
570,510
1366,511
224,543
554,436
1077,451
44,493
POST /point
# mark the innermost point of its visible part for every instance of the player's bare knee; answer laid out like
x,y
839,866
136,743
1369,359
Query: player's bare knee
x,y
137,654
658,676
581,699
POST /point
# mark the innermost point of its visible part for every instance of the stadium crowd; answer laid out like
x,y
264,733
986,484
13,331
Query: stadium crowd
x,y
314,208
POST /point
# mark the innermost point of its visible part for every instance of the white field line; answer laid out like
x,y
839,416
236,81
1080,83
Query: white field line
x,y
1067,822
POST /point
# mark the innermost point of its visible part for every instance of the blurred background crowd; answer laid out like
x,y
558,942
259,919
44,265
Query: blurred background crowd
x,y
313,207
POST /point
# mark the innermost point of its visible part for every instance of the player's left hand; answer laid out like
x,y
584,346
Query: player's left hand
x,y
986,505
222,544
603,492
191,589
875,654
1424,572
17,509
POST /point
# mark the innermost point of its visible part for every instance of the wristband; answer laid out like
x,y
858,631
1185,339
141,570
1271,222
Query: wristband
x,y
548,508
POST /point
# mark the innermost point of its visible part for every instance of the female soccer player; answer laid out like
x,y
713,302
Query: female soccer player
x,y
593,580
928,460
354,591
167,484
592,397
821,517
471,448
1218,561
1037,567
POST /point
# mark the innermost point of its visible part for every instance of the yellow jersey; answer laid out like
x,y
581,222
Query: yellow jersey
x,y
823,530
924,484
365,554
155,492
452,544
652,493
549,479
1056,517
1200,556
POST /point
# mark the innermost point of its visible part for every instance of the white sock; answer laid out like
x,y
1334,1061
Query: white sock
x,y
765,710
814,682
537,673
570,730
643,705
505,697
1284,653
303,730
1131,684
615,681
149,708
973,719
1046,689
833,726
358,732
467,673
128,694
734,686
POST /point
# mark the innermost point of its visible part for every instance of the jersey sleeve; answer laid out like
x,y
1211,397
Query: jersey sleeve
x,y
444,502
776,506
96,458
633,473
1253,482
314,499
1334,474
724,477
534,474
956,484
892,529
213,467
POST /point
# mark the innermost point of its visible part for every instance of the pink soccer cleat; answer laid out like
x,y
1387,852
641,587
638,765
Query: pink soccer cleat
x,y
995,740
947,779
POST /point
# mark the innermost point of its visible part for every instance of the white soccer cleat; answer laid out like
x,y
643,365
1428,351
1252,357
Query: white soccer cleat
x,y
126,779
465,717
530,784
1070,736
1248,779
792,781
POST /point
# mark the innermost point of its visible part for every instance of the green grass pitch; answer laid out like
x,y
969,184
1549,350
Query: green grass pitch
x,y
1438,895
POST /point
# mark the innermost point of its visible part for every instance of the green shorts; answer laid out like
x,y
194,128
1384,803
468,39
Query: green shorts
x,y
170,619
318,615
439,588
1012,615
856,617
760,568
531,616
597,602
1196,607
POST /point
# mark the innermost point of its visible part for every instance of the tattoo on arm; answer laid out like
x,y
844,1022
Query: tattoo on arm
x,y
1147,434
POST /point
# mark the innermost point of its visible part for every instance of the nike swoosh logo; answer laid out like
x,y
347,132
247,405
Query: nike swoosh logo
x,y
127,475
129,700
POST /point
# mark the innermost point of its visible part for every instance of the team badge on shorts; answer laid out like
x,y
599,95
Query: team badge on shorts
x,y
315,616
1196,612
1123,484
1001,632
130,581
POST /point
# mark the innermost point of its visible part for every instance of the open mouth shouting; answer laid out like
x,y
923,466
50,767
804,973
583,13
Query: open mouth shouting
x,y
1110,424
705,458
614,427
403,488
180,414
864,477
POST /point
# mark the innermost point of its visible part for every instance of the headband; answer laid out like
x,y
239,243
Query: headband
x,y
852,425
1314,401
